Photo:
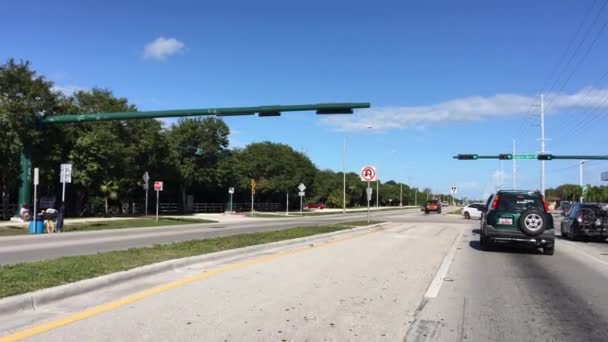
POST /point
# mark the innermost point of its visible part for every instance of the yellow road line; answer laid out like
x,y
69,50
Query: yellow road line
x,y
44,327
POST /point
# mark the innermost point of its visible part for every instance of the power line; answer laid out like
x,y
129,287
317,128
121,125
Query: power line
x,y
569,45
565,124
586,53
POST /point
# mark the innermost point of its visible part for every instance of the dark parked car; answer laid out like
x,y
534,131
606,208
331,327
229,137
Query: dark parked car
x,y
521,217
432,205
588,220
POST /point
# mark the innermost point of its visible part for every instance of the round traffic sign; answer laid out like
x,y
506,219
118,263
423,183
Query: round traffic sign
x,y
368,173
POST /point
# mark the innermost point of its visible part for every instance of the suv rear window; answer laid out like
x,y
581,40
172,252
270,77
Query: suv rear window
x,y
432,202
519,202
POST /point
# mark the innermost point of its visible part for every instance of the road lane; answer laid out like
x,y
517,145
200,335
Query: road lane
x,y
38,247
363,289
519,295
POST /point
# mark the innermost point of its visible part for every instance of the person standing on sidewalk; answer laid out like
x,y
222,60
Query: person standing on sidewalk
x,y
59,224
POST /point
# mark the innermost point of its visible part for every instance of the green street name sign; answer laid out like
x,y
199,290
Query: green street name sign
x,y
525,156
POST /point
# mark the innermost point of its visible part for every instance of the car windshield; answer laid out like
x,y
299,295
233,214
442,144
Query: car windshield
x,y
519,202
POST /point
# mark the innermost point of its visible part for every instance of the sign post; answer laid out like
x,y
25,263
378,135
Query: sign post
x,y
453,189
36,182
369,198
231,192
158,187
252,194
301,187
65,177
368,174
146,178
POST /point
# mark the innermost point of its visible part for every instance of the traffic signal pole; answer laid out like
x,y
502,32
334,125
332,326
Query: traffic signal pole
x,y
262,111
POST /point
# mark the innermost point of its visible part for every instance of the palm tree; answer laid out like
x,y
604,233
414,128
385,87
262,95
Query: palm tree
x,y
110,191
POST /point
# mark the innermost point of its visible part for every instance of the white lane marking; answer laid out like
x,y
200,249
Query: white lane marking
x,y
435,285
574,247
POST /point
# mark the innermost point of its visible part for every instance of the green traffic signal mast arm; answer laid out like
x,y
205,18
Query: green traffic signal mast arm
x,y
545,156
25,177
580,157
320,108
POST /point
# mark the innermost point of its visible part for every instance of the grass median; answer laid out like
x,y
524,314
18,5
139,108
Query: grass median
x,y
27,277
110,224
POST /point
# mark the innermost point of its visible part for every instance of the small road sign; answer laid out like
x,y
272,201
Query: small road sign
x,y
369,194
368,173
158,186
301,187
65,175
301,193
454,189
230,190
146,177
36,176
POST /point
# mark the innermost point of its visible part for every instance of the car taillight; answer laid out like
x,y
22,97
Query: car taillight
x,y
547,209
495,202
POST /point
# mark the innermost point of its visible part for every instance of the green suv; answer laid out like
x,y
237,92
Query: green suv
x,y
517,217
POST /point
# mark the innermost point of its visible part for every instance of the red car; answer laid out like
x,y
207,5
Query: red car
x,y
314,206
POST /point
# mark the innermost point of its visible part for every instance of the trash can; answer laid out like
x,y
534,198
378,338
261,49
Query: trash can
x,y
36,229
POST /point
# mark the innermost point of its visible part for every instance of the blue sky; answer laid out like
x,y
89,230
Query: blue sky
x,y
443,77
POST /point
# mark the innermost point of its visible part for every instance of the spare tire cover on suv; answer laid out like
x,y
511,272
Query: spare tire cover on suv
x,y
532,222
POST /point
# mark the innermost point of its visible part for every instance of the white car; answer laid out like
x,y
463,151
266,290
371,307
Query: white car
x,y
473,211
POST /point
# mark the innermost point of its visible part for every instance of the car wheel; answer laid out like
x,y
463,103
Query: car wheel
x,y
467,216
564,233
532,222
548,250
572,235
438,211
484,244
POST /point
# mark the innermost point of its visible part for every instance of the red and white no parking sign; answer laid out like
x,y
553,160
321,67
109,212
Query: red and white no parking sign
x,y
368,173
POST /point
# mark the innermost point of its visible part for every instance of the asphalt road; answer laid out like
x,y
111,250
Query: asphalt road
x,y
421,279
15,249
366,288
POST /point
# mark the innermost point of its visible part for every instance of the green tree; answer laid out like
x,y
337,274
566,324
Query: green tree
x,y
109,190
203,171
277,168
24,95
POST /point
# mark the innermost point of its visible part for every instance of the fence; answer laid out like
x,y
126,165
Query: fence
x,y
8,211
238,207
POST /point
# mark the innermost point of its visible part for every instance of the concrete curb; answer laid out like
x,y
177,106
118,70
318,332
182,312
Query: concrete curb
x,y
30,301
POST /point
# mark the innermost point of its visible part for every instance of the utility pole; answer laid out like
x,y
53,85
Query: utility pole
x,y
580,178
344,178
514,182
416,197
401,195
542,143
502,175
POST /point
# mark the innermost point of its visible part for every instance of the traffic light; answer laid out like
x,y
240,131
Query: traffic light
x,y
545,157
466,157
505,156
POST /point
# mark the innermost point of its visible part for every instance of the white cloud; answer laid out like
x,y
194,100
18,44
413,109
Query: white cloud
x,y
68,89
464,109
162,48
